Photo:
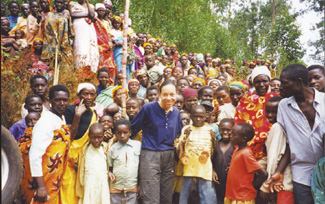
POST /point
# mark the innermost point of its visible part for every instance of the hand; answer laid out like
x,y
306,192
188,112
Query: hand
x,y
41,195
39,17
138,193
111,177
80,109
275,182
215,177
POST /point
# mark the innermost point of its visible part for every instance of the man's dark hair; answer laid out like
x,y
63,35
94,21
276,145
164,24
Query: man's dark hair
x,y
247,131
122,122
37,76
196,107
57,88
227,120
102,70
29,97
13,2
188,83
275,99
316,66
296,71
202,89
150,88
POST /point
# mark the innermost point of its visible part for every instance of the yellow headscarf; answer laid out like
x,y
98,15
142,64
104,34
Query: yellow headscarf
x,y
199,79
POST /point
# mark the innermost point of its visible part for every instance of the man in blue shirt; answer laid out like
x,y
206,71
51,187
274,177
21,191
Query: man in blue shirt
x,y
160,122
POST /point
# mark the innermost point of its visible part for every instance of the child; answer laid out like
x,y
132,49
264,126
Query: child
x,y
132,109
103,79
185,118
221,161
92,177
222,95
152,93
241,185
24,144
123,159
179,104
107,122
190,99
19,39
196,146
275,146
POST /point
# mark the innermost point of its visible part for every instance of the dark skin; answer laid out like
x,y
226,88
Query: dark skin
x,y
34,6
45,5
96,136
181,85
304,97
39,87
143,79
207,95
132,108
38,46
235,95
261,84
133,90
185,118
240,140
59,5
140,40
149,61
222,97
225,129
5,28
119,78
317,79
101,13
117,25
190,102
34,105
179,102
183,61
3,10
59,103
103,78
14,9
25,10
271,109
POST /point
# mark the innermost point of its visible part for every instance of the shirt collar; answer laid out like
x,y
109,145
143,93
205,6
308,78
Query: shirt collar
x,y
169,110
317,99
119,145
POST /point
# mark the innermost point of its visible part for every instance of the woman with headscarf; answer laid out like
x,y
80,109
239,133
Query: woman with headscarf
x,y
85,47
251,109
117,35
79,118
104,41
236,92
32,59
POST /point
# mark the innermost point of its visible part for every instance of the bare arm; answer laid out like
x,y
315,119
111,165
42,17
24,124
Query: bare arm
x,y
41,192
80,109
261,177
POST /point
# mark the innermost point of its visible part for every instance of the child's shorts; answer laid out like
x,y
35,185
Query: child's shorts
x,y
229,201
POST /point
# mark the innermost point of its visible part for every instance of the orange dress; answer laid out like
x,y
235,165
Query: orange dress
x,y
54,163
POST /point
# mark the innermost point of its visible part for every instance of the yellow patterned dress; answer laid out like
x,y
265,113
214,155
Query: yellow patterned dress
x,y
54,163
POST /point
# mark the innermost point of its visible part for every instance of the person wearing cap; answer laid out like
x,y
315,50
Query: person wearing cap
x,y
236,92
142,76
251,109
79,118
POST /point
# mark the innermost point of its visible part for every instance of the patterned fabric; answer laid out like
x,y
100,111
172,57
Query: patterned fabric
x,y
21,25
53,165
105,46
85,48
58,32
33,29
251,110
68,192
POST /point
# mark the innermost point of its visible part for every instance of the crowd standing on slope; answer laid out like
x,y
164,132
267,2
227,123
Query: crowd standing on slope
x,y
196,130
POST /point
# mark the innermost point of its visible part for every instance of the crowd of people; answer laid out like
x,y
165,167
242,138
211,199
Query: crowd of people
x,y
197,129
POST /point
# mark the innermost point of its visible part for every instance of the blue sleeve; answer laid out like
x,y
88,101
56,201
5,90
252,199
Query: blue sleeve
x,y
180,124
14,131
138,122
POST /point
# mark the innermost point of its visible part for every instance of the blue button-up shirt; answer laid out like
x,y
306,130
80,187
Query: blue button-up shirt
x,y
159,128
306,144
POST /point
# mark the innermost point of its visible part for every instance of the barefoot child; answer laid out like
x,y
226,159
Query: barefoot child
x,y
241,185
275,146
222,159
123,159
196,146
92,178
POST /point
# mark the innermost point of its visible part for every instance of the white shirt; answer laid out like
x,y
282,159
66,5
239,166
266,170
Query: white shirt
x,y
42,138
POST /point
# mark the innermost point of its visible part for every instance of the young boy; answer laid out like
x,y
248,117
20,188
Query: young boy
x,y
103,79
275,146
196,146
241,185
179,104
132,109
109,138
92,178
152,93
123,159
222,158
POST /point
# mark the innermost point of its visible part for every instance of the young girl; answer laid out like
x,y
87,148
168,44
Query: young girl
x,y
92,179
222,157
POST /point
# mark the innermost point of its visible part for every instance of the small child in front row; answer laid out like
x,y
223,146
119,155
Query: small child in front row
x,y
196,147
241,186
275,146
222,158
92,178
123,159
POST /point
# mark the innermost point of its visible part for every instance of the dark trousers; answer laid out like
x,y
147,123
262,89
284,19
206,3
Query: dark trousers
x,y
156,176
302,194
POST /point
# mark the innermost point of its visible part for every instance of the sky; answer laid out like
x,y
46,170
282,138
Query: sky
x,y
306,22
